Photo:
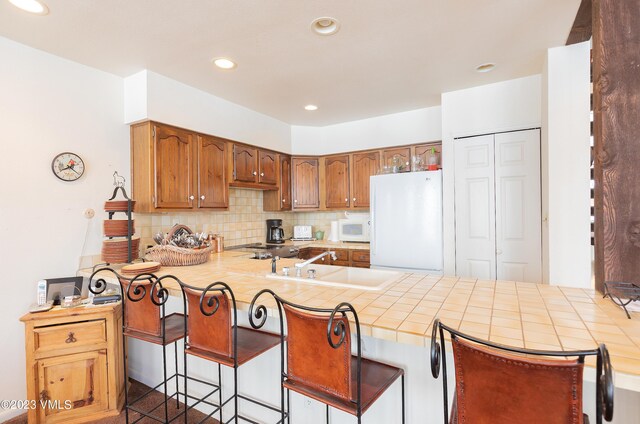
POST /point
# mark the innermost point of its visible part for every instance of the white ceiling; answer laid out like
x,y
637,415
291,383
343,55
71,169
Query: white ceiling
x,y
389,55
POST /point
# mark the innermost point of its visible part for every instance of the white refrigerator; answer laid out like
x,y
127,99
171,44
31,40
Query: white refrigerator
x,y
406,222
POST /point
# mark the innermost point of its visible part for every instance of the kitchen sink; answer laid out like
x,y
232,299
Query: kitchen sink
x,y
347,277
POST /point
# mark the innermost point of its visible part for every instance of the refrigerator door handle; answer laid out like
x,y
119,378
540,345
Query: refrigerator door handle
x,y
372,227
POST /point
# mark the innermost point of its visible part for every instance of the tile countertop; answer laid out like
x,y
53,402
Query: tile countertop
x,y
535,316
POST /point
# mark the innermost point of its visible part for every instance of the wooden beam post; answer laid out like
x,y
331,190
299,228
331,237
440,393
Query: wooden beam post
x,y
616,79
581,29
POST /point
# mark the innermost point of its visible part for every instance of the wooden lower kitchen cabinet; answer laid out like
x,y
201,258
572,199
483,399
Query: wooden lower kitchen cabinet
x,y
310,252
74,358
360,258
344,257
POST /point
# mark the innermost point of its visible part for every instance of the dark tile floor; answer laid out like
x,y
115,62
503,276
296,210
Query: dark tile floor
x,y
150,401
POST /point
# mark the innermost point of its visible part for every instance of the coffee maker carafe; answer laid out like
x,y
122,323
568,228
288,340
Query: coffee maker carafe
x,y
275,233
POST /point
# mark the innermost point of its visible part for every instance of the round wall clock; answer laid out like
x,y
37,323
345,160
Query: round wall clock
x,y
67,166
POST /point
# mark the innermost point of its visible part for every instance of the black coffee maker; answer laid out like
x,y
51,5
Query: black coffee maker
x,y
275,233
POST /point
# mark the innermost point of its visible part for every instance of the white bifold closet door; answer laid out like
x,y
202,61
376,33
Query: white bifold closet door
x,y
498,206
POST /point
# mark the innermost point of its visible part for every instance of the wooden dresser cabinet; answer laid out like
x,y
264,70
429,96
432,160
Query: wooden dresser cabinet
x,y
74,364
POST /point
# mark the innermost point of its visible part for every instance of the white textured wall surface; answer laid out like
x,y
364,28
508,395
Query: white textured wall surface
x,y
416,126
566,174
175,103
50,105
504,106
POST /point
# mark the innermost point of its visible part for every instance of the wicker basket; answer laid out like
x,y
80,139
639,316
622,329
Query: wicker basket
x,y
169,255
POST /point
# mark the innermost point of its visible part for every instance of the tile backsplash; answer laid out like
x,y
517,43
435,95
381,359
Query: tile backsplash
x,y
243,223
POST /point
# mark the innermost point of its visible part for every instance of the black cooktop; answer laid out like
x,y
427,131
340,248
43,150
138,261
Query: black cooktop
x,y
267,251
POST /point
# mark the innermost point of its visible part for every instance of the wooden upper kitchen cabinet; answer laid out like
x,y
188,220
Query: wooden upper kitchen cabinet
x,y
267,167
337,182
212,177
253,167
402,153
176,169
245,163
74,355
364,165
305,183
424,151
280,200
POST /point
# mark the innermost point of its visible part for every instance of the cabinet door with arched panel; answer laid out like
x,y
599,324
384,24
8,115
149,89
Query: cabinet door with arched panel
x,y
305,180
213,190
364,166
173,153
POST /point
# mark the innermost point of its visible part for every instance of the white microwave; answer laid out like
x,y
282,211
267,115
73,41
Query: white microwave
x,y
354,228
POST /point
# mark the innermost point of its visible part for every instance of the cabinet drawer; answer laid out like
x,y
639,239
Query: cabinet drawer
x,y
360,264
342,255
340,263
87,333
315,251
360,256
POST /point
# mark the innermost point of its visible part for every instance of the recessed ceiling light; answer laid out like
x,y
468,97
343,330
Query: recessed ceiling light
x,y
31,6
224,63
485,67
311,107
325,26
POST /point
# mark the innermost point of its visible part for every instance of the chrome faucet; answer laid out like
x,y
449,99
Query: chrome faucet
x,y
301,265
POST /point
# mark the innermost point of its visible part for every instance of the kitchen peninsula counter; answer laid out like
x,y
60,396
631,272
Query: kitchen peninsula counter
x,y
520,314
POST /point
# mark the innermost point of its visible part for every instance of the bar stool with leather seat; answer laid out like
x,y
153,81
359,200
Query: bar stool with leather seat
x,y
500,384
213,335
144,318
319,363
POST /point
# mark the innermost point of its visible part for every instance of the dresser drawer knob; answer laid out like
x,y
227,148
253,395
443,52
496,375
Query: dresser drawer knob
x,y
71,338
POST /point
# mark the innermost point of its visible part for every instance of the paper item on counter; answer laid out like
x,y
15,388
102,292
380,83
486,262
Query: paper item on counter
x,y
333,234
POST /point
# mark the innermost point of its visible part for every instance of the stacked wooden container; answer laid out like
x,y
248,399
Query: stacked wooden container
x,y
120,245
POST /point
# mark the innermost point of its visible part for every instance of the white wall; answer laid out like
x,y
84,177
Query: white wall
x,y
565,139
153,96
49,105
504,106
416,126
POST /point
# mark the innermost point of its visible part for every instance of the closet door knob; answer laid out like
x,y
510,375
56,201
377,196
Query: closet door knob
x,y
254,173
262,174
191,197
354,199
202,197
